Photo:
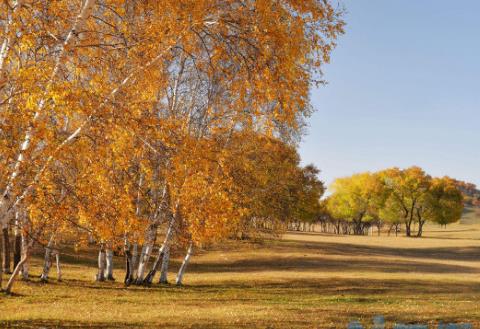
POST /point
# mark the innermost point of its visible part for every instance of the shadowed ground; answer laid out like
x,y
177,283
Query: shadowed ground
x,y
302,281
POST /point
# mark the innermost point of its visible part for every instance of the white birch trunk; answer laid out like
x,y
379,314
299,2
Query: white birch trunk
x,y
7,41
150,237
59,269
77,132
21,266
156,264
5,44
132,263
7,203
17,244
143,262
16,271
165,263
182,269
84,13
134,260
47,262
101,265
161,252
25,251
109,263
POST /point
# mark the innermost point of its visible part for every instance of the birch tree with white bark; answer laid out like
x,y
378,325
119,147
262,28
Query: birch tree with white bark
x,y
98,95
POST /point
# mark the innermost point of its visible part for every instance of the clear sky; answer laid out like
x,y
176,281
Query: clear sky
x,y
403,89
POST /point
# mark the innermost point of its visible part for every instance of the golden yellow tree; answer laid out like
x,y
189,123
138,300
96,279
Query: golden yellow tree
x,y
162,73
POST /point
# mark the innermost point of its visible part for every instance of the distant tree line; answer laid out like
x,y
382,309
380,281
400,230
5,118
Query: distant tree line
x,y
471,195
394,198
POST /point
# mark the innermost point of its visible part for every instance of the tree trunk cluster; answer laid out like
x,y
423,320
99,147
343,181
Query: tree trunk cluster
x,y
300,226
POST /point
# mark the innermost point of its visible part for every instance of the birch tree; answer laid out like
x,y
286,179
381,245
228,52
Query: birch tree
x,y
82,80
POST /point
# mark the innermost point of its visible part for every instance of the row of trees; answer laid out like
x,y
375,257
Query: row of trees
x,y
137,124
398,197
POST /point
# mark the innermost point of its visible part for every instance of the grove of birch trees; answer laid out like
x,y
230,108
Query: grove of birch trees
x,y
146,126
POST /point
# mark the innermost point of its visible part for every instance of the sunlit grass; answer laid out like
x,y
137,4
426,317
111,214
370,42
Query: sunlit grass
x,y
303,281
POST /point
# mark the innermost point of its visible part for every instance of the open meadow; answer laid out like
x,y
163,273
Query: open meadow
x,y
304,280
258,153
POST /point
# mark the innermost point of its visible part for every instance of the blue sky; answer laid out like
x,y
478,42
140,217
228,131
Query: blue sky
x,y
403,89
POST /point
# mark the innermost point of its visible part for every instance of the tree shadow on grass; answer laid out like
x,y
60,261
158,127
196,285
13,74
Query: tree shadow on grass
x,y
294,287
351,298
324,264
341,286
470,253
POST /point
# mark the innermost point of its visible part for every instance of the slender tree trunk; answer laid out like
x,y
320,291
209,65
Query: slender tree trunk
x,y
25,145
150,238
16,271
164,268
14,275
128,264
47,263
420,228
408,226
4,49
26,243
355,228
6,250
143,262
127,279
131,254
140,269
101,264
182,269
59,269
17,246
155,267
134,261
20,217
109,265
409,222
160,257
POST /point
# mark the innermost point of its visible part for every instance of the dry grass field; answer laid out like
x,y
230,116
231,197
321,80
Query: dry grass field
x,y
300,281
